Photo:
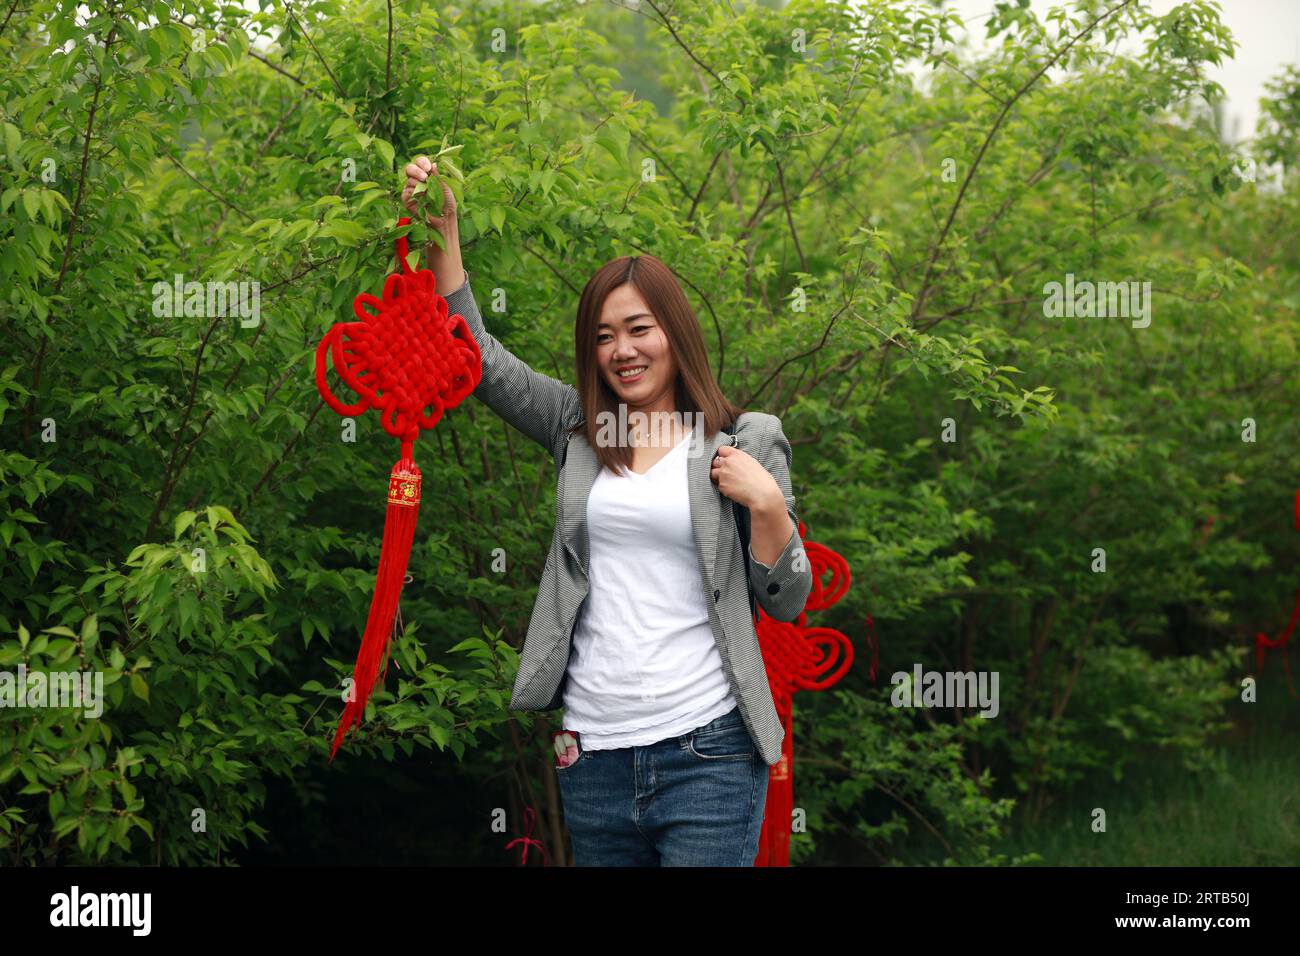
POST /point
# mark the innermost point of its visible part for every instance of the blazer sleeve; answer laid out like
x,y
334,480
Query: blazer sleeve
x,y
782,588
539,406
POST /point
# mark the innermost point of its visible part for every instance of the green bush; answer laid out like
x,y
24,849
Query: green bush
x,y
869,254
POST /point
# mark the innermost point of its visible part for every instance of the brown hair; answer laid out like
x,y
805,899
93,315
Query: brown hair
x,y
697,391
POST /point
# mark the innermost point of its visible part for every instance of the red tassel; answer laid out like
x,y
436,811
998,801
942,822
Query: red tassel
x,y
394,554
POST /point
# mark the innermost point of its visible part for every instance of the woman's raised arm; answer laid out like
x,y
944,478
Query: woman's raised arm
x,y
539,406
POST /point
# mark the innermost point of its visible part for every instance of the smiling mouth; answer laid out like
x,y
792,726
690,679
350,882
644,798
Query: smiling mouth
x,y
632,372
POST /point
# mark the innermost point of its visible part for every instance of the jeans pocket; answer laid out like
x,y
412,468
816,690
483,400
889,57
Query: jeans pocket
x,y
726,743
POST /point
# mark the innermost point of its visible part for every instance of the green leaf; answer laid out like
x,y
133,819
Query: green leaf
x,y
183,521
90,631
615,140
13,139
448,168
139,687
440,735
346,232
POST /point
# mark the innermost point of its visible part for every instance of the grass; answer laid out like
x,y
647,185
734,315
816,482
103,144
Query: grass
x,y
1161,814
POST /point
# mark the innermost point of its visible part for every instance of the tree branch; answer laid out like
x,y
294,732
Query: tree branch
x,y
924,292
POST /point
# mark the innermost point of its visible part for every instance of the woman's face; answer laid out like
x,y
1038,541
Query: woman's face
x,y
628,337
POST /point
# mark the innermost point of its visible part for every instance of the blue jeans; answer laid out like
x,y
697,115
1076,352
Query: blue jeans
x,y
693,800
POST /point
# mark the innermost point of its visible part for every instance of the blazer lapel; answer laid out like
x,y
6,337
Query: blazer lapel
x,y
580,469
707,502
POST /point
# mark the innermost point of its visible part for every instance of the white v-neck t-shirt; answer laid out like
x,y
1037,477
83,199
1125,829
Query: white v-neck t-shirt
x,y
644,664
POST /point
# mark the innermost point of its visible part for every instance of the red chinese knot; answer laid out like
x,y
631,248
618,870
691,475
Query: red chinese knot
x,y
798,657
410,361
405,357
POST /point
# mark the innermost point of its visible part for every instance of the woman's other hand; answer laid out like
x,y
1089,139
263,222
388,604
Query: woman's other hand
x,y
741,478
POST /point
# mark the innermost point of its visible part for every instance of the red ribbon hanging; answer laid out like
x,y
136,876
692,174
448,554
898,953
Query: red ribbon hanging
x,y
410,361
527,840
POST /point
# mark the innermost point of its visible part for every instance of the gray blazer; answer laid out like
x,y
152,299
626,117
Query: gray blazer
x,y
543,408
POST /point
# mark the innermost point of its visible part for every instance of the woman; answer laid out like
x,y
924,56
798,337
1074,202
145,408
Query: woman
x,y
642,626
